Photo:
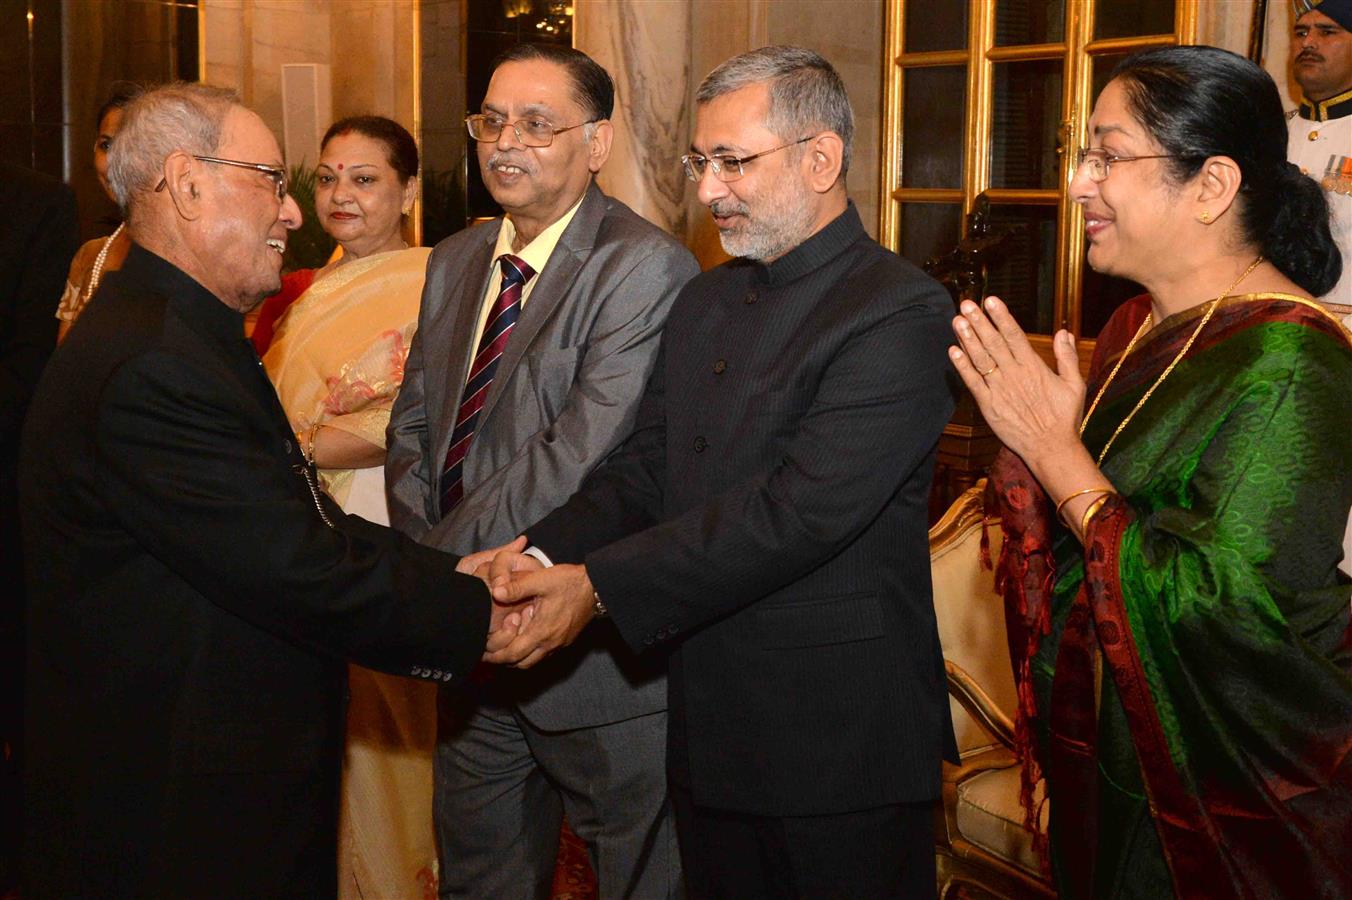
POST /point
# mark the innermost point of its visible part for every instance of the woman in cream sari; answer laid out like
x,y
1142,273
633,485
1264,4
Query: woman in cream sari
x,y
336,357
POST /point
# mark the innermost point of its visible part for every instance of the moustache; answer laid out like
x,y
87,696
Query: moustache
x,y
723,208
1309,56
505,158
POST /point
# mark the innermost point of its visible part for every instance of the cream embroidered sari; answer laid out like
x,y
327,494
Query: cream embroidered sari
x,y
338,359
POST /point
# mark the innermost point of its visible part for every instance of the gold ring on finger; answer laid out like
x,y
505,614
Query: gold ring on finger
x,y
987,373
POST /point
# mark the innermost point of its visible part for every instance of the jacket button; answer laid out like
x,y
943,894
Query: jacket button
x,y
720,367
751,297
700,444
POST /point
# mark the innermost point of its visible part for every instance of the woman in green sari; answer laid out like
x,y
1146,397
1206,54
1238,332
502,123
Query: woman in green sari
x,y
1181,634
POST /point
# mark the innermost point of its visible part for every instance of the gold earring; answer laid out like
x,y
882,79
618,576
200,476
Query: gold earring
x,y
1205,217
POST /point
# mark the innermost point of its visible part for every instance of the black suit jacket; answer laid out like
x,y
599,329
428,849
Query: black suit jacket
x,y
40,237
190,611
767,522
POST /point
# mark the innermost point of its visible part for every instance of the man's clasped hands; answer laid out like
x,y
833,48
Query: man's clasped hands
x,y
536,610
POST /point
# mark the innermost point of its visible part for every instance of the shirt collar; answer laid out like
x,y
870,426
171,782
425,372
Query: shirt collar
x,y
815,252
1335,107
537,252
190,300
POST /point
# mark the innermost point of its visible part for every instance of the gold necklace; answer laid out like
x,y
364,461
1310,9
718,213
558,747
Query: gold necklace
x,y
1145,326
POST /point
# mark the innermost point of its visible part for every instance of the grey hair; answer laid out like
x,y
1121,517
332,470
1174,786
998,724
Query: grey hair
x,y
179,116
806,92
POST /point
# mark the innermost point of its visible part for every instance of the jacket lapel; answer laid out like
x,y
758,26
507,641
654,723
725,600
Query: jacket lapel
x,y
554,284
466,296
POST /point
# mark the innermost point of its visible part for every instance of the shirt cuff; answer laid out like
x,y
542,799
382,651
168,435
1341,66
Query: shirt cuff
x,y
540,555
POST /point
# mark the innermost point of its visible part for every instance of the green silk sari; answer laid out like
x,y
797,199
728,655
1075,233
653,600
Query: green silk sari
x,y
1185,676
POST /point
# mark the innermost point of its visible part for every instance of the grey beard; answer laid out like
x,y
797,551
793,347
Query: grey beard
x,y
783,225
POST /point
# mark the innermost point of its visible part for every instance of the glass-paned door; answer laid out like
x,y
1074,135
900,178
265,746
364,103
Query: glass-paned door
x,y
992,97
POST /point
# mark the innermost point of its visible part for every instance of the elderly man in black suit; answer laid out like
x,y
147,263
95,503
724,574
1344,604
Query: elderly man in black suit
x,y
766,521
192,594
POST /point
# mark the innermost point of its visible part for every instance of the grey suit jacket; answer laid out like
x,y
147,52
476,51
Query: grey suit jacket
x,y
564,396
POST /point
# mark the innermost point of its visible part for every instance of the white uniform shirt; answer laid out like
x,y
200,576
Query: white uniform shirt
x,y
1320,142
1323,150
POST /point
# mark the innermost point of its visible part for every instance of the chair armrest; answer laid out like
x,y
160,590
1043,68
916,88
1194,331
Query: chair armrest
x,y
978,704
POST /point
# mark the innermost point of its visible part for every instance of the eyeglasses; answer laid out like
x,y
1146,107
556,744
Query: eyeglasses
x,y
727,168
532,132
277,175
1100,162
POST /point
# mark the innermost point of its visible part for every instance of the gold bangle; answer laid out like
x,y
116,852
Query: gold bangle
x,y
1090,511
1069,497
310,443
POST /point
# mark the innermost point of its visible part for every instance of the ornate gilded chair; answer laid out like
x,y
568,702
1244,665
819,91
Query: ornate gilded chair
x,y
982,846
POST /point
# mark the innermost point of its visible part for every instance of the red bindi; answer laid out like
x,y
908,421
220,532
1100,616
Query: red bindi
x,y
340,167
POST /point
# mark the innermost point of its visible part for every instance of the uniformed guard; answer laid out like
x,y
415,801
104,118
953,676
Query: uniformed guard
x,y
1321,129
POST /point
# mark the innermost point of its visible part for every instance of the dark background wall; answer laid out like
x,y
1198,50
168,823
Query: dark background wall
x,y
57,61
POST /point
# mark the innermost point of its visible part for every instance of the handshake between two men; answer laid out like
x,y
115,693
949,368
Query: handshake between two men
x,y
536,610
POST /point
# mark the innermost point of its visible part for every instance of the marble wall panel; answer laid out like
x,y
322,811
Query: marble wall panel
x,y
372,56
284,31
646,48
442,71
441,107
851,39
1226,23
1277,52
719,29
369,46
227,27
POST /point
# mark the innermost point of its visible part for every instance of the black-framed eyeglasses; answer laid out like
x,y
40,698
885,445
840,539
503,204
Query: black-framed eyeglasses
x,y
531,131
277,174
727,168
1099,162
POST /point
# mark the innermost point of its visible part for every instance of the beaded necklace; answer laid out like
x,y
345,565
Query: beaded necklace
x,y
97,272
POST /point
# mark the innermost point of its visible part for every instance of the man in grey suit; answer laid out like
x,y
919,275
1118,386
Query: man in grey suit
x,y
536,335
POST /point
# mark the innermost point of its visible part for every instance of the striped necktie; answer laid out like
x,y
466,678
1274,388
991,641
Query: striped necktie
x,y
501,320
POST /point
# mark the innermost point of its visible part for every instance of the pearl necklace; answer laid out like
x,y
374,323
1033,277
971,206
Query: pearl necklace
x,y
97,272
1145,326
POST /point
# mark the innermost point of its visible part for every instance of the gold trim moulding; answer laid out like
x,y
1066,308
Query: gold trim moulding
x,y
961,432
965,512
932,58
1024,196
1084,348
928,195
1106,46
1023,52
978,704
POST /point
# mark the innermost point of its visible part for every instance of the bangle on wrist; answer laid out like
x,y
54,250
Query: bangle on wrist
x,y
310,443
1080,493
1091,510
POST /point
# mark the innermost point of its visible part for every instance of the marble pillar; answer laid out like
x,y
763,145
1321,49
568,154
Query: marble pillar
x,y
646,49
